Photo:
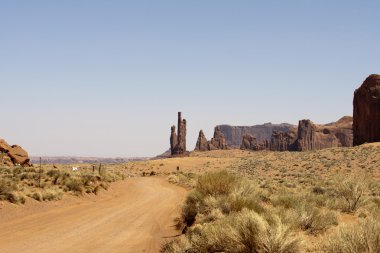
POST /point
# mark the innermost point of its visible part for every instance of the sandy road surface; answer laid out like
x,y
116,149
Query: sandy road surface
x,y
135,215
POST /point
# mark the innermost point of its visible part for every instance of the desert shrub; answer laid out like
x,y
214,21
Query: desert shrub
x,y
245,231
37,196
287,201
173,179
216,183
372,206
180,245
8,192
363,237
190,207
318,190
53,173
307,217
237,195
51,194
313,220
74,184
89,179
352,190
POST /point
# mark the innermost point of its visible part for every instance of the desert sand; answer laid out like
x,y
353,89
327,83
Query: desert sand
x,y
135,215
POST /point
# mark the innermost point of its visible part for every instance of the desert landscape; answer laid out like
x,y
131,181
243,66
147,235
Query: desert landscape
x,y
311,189
184,127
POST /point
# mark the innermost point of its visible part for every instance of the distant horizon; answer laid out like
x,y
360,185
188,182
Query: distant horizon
x,y
106,79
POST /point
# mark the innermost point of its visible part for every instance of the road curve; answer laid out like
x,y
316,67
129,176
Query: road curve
x,y
135,215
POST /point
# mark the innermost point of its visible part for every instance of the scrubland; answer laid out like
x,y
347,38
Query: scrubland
x,y
18,184
317,201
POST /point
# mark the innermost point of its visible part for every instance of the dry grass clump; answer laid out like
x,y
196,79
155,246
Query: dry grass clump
x,y
240,232
219,191
183,179
363,237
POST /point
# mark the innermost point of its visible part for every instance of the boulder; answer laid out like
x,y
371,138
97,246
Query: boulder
x,y
18,155
366,125
4,146
13,155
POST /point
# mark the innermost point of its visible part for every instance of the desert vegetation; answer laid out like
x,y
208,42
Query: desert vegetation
x,y
49,182
318,201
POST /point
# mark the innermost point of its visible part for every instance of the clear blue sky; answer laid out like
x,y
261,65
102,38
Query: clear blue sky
x,y
106,78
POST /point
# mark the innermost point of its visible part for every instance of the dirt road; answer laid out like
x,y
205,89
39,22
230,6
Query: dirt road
x,y
135,215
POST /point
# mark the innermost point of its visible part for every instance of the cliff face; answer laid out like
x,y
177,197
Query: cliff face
x,y
234,134
366,124
308,136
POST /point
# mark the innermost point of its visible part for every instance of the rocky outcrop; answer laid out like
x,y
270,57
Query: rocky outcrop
x,y
281,141
315,137
366,125
178,141
13,155
306,135
217,142
202,143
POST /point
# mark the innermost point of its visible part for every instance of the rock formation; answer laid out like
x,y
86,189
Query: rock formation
x,y
13,155
281,141
202,143
173,140
366,125
178,141
307,136
218,142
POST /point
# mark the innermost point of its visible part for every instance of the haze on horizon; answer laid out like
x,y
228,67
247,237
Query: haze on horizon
x,y
107,78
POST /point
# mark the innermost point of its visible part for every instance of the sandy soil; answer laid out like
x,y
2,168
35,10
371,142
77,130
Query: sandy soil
x,y
135,215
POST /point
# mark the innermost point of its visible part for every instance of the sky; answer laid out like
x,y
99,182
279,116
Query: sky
x,y
107,78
